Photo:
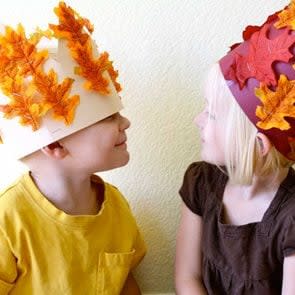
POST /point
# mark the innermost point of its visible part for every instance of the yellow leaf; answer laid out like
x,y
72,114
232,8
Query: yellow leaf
x,y
287,17
276,105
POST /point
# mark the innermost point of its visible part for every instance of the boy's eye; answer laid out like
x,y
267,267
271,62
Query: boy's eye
x,y
110,117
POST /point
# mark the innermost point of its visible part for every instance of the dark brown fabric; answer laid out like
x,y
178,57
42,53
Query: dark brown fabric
x,y
246,259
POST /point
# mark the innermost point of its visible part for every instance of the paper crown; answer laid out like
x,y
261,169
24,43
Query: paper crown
x,y
50,94
260,72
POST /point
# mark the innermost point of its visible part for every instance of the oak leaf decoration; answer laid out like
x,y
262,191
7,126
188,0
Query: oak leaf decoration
x,y
23,103
287,17
72,28
31,91
276,105
57,96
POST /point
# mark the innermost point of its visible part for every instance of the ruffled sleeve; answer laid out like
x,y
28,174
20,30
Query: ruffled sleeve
x,y
289,238
195,186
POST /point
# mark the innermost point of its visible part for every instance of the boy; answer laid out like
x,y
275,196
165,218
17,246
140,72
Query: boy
x,y
62,229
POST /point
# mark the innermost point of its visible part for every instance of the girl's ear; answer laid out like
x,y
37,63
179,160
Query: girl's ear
x,y
55,150
264,144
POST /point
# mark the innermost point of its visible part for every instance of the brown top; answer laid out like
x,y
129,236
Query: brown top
x,y
246,259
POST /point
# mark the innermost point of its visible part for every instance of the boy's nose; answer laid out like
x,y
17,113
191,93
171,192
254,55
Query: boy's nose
x,y
125,123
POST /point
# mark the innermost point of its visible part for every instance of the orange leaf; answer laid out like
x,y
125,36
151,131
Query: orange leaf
x,y
23,104
287,17
72,27
276,105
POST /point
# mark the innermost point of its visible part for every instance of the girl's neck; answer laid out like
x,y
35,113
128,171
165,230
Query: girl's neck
x,y
262,184
75,195
243,204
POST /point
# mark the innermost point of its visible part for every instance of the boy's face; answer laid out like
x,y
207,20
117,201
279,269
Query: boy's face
x,y
101,146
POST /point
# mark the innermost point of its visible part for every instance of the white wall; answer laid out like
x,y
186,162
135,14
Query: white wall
x,y
162,49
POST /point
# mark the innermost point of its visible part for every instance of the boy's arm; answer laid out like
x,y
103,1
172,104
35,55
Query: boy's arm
x,y
131,287
288,275
188,274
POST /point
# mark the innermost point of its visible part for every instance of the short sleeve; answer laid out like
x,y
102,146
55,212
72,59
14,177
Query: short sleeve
x,y
197,182
8,269
140,250
289,239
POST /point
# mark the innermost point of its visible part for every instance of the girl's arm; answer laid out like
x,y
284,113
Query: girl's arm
x,y
188,274
289,276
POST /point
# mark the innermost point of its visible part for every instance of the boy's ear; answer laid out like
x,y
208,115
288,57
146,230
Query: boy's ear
x,y
55,150
264,144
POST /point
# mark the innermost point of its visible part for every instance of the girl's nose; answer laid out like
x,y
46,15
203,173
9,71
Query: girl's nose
x,y
198,119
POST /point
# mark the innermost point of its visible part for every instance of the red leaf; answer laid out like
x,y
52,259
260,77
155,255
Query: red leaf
x,y
262,53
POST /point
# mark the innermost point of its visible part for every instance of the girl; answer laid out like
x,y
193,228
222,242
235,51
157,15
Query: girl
x,y
237,229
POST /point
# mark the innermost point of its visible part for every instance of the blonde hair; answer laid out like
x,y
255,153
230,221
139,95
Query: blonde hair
x,y
243,157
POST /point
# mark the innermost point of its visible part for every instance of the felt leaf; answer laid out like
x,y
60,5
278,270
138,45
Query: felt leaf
x,y
19,59
23,104
57,96
72,27
250,30
287,17
276,105
261,54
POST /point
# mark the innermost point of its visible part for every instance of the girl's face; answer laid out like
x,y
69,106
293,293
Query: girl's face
x,y
212,134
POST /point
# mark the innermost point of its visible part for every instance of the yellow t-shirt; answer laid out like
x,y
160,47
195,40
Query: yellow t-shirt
x,y
46,251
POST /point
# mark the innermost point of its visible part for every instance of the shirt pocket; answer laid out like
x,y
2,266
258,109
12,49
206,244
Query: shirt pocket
x,y
112,272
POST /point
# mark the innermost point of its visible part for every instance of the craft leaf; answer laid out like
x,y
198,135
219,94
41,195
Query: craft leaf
x,y
72,28
19,60
262,53
23,103
287,17
57,96
276,105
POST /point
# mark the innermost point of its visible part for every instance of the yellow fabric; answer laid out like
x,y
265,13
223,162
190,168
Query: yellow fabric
x,y
45,251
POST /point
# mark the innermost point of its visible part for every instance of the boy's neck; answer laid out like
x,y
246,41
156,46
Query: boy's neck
x,y
73,195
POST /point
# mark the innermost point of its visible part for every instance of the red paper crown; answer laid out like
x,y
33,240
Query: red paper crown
x,y
260,73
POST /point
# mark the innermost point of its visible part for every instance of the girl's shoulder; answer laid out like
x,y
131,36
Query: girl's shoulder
x,y
200,180
204,172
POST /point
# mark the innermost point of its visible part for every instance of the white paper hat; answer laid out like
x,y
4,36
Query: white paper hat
x,y
53,94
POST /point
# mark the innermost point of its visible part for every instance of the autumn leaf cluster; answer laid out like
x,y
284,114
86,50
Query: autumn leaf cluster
x,y
31,91
74,29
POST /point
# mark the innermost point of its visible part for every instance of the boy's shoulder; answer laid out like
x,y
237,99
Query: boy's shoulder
x,y
11,193
112,193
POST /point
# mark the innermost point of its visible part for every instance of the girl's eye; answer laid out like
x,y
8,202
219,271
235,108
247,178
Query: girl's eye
x,y
210,115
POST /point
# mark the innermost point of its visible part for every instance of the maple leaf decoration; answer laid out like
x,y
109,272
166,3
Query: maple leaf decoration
x,y
250,30
30,101
287,17
262,53
72,28
276,105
